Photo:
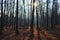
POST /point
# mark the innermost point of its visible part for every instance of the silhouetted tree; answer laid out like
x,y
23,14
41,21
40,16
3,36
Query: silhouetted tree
x,y
1,26
13,11
56,11
47,12
32,23
38,29
16,18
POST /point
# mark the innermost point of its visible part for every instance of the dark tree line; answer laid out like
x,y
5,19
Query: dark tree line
x,y
54,13
7,16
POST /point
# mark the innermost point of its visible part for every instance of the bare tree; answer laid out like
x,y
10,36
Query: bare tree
x,y
13,11
1,27
38,29
32,23
47,12
56,11
17,32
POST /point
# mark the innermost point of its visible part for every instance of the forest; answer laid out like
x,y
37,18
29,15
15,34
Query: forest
x,y
29,19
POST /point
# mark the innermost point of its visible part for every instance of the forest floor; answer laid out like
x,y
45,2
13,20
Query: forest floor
x,y
9,34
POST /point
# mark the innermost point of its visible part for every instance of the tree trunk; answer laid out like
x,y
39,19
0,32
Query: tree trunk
x,y
32,23
1,27
47,14
38,29
17,32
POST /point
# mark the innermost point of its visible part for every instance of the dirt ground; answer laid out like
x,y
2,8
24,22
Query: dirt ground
x,y
24,33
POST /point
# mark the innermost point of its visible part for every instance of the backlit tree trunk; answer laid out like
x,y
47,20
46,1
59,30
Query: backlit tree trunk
x,y
32,23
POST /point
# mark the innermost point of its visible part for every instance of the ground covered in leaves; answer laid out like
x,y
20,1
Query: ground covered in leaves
x,y
24,33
